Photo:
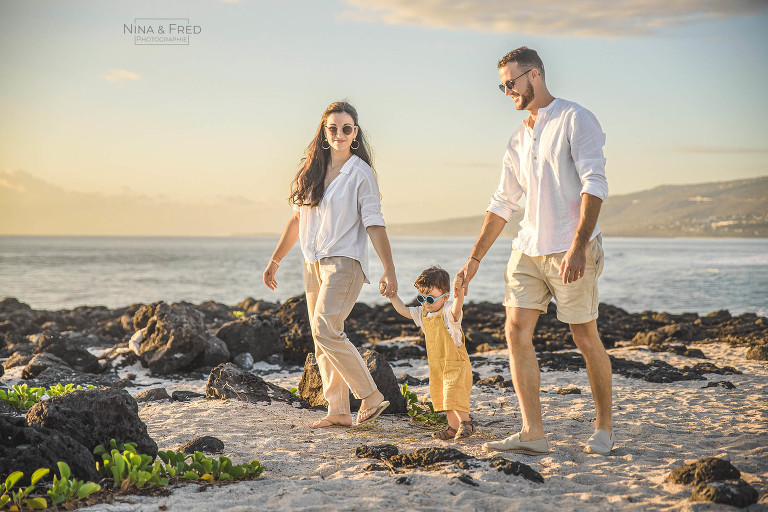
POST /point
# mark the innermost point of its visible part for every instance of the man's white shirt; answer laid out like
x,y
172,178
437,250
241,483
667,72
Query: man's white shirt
x,y
552,164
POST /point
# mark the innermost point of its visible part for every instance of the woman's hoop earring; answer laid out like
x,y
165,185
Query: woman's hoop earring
x,y
322,144
353,144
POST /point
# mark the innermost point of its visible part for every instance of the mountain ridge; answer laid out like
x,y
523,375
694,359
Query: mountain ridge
x,y
737,208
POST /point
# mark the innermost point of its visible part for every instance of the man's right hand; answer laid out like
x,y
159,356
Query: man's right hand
x,y
465,275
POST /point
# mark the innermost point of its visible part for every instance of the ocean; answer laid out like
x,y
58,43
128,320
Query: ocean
x,y
660,274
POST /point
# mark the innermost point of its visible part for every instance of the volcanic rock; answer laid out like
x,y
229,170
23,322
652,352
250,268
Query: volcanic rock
x,y
739,494
228,381
205,444
93,417
27,448
704,470
175,336
311,386
152,395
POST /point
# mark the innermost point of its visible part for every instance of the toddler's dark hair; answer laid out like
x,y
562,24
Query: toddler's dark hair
x,y
433,277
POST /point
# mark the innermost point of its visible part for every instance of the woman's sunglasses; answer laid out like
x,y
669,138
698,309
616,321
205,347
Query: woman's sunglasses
x,y
346,129
429,299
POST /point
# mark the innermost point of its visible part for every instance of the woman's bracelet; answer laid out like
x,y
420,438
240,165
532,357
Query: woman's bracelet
x,y
275,262
476,259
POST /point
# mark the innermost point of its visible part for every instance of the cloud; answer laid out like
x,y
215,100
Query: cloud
x,y
717,149
32,206
585,18
121,76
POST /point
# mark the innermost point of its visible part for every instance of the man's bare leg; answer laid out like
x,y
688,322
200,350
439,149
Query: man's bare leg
x,y
587,339
524,366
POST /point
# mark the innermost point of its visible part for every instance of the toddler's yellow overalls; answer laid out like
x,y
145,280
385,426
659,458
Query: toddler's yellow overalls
x,y
450,374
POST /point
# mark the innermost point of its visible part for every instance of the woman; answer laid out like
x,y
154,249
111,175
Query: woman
x,y
336,202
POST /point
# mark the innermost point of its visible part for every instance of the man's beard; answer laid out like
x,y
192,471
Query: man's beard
x,y
526,97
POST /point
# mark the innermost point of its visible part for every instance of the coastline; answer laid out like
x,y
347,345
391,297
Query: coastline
x,y
685,388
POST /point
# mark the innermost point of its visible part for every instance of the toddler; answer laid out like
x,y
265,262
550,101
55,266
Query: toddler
x,y
450,374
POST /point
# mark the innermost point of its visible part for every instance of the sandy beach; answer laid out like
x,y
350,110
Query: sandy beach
x,y
658,427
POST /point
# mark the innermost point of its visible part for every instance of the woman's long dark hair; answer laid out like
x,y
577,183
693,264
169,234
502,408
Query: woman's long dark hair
x,y
308,186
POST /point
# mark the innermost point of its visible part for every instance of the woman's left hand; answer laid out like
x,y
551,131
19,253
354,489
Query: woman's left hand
x,y
388,284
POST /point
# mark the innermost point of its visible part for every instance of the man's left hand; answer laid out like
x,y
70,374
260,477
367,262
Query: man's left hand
x,y
574,263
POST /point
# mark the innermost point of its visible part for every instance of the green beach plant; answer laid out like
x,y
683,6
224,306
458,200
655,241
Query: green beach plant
x,y
23,397
66,490
17,499
129,468
418,414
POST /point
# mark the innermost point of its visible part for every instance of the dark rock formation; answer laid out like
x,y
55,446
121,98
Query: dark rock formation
x,y
259,335
655,371
152,395
410,380
214,354
426,457
27,448
721,383
297,334
511,467
702,471
243,360
252,306
758,353
205,444
185,396
228,381
175,336
41,362
379,451
568,391
311,386
737,494
73,355
93,417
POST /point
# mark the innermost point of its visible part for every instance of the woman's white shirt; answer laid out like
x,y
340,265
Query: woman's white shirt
x,y
337,225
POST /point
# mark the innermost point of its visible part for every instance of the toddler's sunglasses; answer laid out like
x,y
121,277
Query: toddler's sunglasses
x,y
346,129
429,299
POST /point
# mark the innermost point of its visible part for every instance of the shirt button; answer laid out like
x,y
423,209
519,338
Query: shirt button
x,y
534,158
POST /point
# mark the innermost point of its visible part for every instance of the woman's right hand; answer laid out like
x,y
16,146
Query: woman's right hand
x,y
269,274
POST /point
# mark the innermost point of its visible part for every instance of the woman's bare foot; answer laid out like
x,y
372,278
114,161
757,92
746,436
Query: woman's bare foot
x,y
334,420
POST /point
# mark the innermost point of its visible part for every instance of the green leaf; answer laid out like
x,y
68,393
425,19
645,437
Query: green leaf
x,y
87,489
12,479
191,475
4,500
37,475
37,503
63,470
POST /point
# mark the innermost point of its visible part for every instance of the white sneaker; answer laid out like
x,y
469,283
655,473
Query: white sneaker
x,y
514,444
601,442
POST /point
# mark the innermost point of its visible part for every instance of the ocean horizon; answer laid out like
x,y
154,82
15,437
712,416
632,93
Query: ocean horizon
x,y
676,275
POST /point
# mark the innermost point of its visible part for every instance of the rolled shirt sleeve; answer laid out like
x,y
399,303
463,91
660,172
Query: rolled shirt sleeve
x,y
587,141
369,200
504,201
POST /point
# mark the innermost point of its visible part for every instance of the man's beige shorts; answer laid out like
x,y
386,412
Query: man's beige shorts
x,y
532,281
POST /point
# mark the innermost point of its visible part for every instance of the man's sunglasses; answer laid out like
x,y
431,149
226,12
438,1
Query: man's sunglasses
x,y
510,84
429,299
346,129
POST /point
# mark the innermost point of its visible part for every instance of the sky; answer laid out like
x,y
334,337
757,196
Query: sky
x,y
103,136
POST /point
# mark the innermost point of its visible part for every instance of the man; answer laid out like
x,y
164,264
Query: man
x,y
556,159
